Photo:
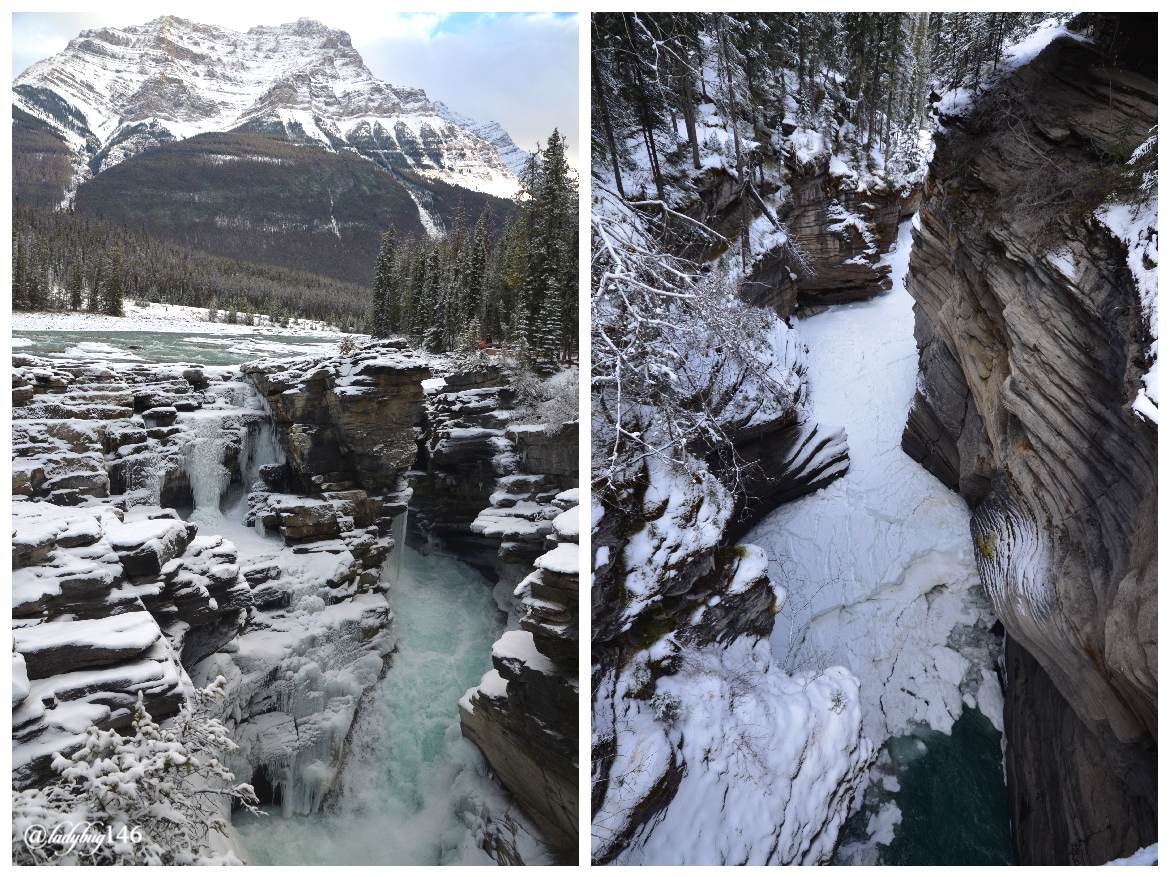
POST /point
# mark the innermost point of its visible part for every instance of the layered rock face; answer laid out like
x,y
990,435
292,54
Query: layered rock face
x,y
1032,345
523,714
841,220
114,594
502,495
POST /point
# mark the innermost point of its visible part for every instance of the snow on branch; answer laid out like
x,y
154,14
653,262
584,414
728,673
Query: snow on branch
x,y
680,362
152,798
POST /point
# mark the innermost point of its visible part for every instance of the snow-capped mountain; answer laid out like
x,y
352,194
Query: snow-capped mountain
x,y
114,92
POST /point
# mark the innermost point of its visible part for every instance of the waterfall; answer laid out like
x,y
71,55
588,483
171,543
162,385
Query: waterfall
x,y
392,568
412,789
206,473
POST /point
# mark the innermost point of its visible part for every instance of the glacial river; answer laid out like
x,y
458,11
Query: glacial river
x,y
207,348
413,790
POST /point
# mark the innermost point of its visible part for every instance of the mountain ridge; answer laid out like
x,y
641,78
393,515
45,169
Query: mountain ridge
x,y
116,92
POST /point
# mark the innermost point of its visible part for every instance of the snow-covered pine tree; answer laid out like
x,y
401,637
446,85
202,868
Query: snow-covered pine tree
x,y
473,279
112,299
152,798
385,286
552,264
433,324
421,305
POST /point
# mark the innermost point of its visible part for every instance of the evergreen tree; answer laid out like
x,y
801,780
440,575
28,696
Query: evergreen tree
x,y
551,273
114,284
385,287
433,317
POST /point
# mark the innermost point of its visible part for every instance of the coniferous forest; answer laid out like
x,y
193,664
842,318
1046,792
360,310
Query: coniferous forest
x,y
870,70
519,286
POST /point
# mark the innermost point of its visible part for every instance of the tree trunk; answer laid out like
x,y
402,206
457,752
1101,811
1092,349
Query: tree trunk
x,y
730,84
689,116
873,99
599,89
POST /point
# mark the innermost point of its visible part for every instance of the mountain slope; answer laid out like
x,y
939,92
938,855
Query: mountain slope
x,y
261,199
116,92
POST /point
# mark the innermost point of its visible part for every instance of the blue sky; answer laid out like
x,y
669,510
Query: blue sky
x,y
519,69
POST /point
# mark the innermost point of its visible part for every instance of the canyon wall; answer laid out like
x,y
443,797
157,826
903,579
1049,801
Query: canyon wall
x,y
1033,343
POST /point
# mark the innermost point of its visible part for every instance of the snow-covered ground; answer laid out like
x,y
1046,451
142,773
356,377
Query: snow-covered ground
x,y
160,318
1145,856
958,101
879,565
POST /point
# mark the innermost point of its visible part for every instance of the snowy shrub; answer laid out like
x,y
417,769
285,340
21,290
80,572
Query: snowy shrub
x,y
149,799
348,346
837,701
666,706
552,401
681,364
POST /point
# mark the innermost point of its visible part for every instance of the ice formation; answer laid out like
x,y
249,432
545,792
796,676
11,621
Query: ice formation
x,y
879,565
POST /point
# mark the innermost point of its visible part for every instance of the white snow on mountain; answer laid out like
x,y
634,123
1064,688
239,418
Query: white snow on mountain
x,y
116,91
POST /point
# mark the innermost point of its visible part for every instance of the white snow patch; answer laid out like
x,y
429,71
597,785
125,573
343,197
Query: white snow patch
x,y
1144,856
772,761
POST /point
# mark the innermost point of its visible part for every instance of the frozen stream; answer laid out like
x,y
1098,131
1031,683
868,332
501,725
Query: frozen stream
x,y
882,580
413,790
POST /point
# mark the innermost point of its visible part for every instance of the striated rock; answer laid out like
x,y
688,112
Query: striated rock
x,y
1059,778
784,464
144,547
346,419
540,450
842,222
523,714
1033,345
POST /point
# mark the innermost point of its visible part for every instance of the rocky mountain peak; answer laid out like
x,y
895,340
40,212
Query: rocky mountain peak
x,y
302,81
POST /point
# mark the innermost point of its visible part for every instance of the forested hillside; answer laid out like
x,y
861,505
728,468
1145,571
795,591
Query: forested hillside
x,y
511,277
65,260
520,287
266,199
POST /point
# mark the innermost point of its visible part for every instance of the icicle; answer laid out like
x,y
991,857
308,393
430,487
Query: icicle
x,y
392,568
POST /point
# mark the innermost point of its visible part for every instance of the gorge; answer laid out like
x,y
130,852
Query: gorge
x,y
930,636
299,527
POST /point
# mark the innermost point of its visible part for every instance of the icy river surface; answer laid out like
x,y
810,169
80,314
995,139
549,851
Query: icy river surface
x,y
413,790
882,580
206,348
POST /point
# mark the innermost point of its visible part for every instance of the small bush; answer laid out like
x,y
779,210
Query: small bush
x,y
554,402
666,706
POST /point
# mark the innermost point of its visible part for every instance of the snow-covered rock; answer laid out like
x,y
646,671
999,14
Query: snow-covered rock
x,y
729,761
